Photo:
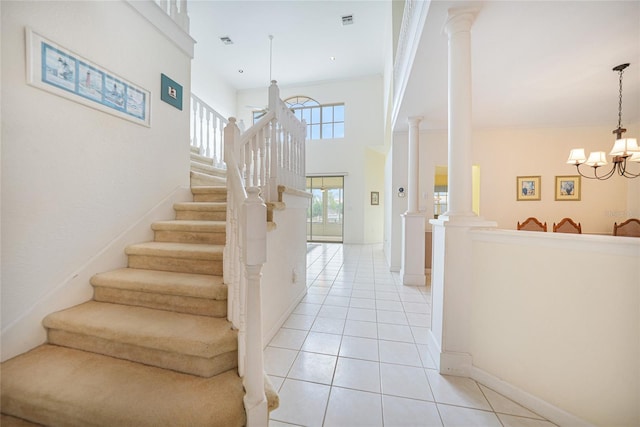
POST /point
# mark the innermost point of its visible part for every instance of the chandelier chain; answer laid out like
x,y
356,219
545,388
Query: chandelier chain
x,y
620,100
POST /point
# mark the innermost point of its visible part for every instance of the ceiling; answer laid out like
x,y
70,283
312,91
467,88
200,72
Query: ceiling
x,y
306,34
534,63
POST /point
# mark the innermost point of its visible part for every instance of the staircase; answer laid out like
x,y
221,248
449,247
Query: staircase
x,y
153,347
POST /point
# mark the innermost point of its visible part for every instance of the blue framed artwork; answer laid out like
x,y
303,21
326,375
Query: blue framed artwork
x,y
60,71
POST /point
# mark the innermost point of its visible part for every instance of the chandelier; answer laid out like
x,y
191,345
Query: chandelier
x,y
624,149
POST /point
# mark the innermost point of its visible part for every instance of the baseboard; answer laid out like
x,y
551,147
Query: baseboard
x,y
26,332
529,401
413,279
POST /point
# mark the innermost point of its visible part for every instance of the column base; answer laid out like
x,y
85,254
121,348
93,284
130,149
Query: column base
x,y
412,269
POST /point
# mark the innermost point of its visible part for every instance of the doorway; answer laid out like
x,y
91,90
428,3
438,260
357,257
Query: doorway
x,y
325,216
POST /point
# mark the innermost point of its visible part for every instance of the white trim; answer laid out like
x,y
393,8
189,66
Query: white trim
x,y
529,401
163,22
613,245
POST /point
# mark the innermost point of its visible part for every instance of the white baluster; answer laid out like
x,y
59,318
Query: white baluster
x,y
208,140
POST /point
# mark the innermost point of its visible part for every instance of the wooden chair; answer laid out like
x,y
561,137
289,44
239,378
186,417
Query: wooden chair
x,y
567,225
629,228
532,224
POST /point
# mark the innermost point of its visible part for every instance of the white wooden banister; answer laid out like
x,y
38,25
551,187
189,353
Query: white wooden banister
x,y
267,155
207,126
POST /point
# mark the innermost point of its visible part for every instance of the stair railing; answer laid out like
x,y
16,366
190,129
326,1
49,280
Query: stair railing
x,y
269,154
177,10
207,126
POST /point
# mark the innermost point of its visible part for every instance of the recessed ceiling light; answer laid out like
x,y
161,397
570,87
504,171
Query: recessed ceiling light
x,y
333,58
347,20
226,40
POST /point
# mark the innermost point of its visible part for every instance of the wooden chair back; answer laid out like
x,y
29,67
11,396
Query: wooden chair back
x,y
567,225
629,228
532,224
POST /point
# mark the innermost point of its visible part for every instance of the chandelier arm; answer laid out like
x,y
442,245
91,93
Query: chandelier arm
x,y
595,173
625,173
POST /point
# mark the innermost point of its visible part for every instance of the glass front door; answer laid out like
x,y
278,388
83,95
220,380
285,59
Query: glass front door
x,y
325,214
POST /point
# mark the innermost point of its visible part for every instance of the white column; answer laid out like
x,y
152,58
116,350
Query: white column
x,y
412,268
451,281
458,29
413,166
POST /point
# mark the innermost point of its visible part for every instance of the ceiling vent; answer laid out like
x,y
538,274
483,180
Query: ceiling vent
x,y
347,20
226,40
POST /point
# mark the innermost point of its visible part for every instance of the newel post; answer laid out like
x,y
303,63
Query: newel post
x,y
254,224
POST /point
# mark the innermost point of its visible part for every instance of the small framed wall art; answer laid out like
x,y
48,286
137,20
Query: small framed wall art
x,y
528,188
568,187
375,198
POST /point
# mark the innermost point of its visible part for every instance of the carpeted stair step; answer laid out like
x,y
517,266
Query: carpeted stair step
x,y
208,168
190,231
209,193
178,257
201,158
58,386
197,345
207,211
198,178
200,294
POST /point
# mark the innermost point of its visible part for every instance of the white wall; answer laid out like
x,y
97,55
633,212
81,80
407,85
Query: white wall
x,y
550,319
74,178
210,87
363,128
284,276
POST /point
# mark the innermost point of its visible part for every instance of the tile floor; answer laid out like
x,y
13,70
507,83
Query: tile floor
x,y
353,353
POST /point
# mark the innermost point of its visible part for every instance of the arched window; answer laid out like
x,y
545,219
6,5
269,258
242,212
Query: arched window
x,y
323,121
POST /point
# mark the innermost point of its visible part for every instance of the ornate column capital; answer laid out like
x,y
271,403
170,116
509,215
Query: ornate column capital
x,y
414,120
460,19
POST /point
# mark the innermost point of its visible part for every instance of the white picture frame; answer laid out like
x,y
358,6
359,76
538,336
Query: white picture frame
x,y
60,71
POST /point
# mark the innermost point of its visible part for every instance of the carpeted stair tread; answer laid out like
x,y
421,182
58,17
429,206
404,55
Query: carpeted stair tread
x,y
199,178
53,385
206,189
191,225
163,282
207,168
167,331
201,206
177,250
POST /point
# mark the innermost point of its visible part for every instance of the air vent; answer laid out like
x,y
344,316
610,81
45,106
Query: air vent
x,y
347,20
226,40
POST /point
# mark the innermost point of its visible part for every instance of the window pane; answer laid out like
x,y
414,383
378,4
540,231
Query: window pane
x,y
315,115
338,130
315,131
327,130
298,114
327,114
306,115
338,113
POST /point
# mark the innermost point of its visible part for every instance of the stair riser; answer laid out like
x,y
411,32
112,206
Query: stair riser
x,y
190,237
180,265
210,197
202,215
203,367
180,304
